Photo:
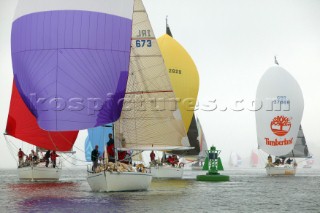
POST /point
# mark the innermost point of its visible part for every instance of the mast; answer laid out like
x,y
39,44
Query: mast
x,y
116,145
168,31
275,60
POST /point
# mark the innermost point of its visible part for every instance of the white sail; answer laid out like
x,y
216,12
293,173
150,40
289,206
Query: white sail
x,y
279,102
150,116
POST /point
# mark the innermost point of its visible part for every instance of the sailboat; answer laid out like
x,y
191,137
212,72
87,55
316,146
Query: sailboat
x,y
70,63
149,119
235,160
254,159
308,163
184,78
278,119
22,125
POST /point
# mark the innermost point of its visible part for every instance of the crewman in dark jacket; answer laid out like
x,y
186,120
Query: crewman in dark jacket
x,y
94,158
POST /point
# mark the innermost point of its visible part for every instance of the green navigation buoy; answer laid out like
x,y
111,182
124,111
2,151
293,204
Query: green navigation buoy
x,y
206,165
213,165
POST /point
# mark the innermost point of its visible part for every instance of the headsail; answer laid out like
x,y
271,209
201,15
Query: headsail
x,y
23,125
71,60
202,141
300,149
279,111
193,138
149,117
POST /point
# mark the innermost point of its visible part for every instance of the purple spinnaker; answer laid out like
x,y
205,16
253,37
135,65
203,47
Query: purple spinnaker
x,y
71,67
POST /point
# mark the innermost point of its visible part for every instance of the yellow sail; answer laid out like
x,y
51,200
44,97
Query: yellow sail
x,y
183,75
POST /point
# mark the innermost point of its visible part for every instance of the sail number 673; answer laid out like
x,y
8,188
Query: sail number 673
x,y
142,43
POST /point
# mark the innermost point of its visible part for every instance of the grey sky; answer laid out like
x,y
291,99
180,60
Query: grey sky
x,y
232,43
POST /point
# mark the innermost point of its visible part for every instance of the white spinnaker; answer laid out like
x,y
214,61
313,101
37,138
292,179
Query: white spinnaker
x,y
150,116
277,87
122,8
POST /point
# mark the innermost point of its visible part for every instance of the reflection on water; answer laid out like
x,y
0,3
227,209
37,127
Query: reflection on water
x,y
248,191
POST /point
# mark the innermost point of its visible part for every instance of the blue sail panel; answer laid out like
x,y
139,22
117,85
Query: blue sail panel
x,y
97,136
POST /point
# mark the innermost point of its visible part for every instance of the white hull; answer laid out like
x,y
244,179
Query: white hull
x,y
119,181
166,172
283,170
36,173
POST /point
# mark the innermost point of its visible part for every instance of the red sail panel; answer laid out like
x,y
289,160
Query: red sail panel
x,y
254,158
23,125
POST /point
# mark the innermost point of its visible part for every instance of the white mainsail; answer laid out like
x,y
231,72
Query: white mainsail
x,y
150,118
279,102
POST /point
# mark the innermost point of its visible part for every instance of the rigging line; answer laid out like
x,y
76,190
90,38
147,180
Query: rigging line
x,y
70,162
75,158
49,134
9,145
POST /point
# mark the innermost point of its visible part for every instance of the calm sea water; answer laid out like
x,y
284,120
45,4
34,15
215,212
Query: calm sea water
x,y
249,190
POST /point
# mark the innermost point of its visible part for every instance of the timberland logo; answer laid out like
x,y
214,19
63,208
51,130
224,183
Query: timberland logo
x,y
280,125
277,142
